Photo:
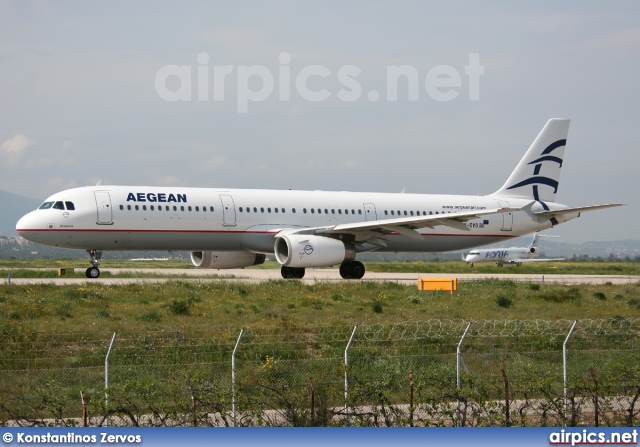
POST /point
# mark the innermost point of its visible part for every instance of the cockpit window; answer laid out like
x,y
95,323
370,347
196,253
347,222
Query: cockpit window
x,y
58,206
70,206
46,206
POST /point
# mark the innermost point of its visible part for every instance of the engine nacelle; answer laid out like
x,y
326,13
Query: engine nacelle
x,y
299,250
532,250
225,259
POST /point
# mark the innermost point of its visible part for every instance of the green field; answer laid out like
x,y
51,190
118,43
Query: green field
x,y
175,340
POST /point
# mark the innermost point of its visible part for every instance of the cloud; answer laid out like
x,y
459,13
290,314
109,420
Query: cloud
x,y
17,144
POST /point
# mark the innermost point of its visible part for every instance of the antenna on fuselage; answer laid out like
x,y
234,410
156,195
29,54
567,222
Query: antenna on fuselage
x,y
99,181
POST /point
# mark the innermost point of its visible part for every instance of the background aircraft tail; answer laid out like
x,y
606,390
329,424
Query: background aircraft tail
x,y
537,176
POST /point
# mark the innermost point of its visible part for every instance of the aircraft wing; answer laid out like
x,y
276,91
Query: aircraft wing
x,y
581,209
376,229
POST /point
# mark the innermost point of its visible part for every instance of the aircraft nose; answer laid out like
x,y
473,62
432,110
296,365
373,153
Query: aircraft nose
x,y
29,226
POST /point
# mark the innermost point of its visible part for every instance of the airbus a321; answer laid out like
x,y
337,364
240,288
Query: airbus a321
x,y
235,228
513,255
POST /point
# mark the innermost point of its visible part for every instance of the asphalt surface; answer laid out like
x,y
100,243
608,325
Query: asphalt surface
x,y
313,275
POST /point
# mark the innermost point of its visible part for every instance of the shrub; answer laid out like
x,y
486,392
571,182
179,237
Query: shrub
x,y
504,301
179,307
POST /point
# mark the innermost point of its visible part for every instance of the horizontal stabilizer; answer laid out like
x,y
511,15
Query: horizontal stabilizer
x,y
580,209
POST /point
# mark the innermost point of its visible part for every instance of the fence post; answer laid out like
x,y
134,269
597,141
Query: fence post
x,y
507,421
564,362
458,378
233,378
411,398
106,378
312,399
595,397
346,376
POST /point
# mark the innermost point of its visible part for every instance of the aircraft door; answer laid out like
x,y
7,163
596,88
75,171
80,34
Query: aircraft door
x,y
507,218
370,211
228,210
103,204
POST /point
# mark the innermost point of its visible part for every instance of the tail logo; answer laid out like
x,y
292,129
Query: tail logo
x,y
537,179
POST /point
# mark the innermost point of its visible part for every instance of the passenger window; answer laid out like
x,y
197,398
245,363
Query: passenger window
x,y
144,207
137,208
121,207
276,210
46,205
151,208
58,206
211,209
70,206
129,207
293,210
197,208
189,208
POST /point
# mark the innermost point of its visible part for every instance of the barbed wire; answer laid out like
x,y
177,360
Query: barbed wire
x,y
225,338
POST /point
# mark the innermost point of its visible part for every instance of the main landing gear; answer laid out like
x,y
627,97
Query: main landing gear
x,y
352,270
292,272
94,272
348,270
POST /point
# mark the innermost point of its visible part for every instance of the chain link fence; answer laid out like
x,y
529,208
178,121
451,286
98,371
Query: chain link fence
x,y
436,372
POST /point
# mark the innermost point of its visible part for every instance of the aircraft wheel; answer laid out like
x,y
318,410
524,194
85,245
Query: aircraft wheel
x,y
352,270
93,272
357,270
292,272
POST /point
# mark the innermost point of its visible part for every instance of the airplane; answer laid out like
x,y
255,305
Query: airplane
x,y
236,228
513,255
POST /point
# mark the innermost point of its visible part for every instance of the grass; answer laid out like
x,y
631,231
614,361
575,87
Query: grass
x,y
193,305
55,329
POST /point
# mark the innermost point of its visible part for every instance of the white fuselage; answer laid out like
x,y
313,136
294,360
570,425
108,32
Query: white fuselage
x,y
500,256
169,218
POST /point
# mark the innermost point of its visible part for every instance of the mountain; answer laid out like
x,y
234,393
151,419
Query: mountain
x,y
13,208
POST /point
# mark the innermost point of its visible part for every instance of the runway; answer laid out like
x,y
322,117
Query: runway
x,y
312,276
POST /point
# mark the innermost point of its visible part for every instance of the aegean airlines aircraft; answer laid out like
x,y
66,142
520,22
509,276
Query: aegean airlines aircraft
x,y
234,228
513,255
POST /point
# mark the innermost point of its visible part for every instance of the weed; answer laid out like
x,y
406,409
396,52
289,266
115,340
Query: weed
x,y
535,287
150,317
599,296
376,305
64,310
562,295
103,313
504,301
179,307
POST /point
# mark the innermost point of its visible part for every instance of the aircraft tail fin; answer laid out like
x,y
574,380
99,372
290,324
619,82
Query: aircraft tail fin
x,y
537,175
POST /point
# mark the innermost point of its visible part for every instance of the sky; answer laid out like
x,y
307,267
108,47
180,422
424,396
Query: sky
x,y
426,96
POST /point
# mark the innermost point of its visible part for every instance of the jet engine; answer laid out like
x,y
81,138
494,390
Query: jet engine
x,y
300,250
532,250
225,259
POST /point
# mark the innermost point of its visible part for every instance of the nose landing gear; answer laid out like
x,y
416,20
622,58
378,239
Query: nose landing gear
x,y
94,272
